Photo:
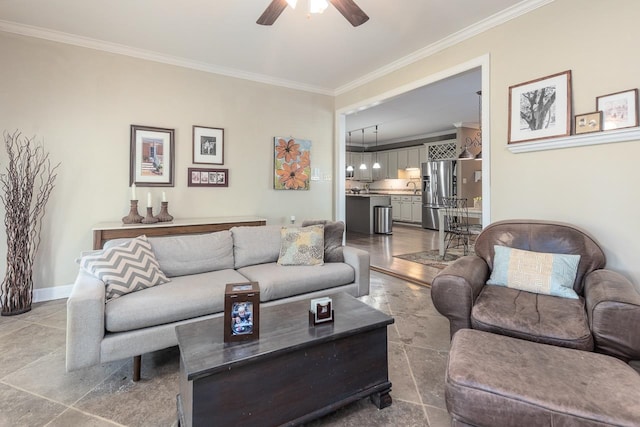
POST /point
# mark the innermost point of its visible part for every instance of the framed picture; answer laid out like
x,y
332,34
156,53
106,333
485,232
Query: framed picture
x,y
241,311
619,110
208,145
540,109
152,156
292,163
588,122
200,177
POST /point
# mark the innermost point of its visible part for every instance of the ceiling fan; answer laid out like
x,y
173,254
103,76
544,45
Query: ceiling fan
x,y
348,8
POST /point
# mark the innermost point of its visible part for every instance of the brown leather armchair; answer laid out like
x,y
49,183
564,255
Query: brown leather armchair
x,y
605,318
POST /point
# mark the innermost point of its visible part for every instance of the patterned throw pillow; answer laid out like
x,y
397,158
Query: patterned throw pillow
x,y
302,246
333,232
129,267
537,272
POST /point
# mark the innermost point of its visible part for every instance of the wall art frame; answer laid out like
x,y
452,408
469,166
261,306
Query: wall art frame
x,y
540,109
152,158
588,122
205,177
208,145
292,163
619,110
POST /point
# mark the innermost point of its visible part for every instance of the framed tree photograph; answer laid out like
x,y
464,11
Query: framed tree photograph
x,y
152,156
619,110
541,108
200,177
208,145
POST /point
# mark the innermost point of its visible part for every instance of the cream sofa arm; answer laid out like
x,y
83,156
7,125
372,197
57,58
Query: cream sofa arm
x,y
85,322
360,261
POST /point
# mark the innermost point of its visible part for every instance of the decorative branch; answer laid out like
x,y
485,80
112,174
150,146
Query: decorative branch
x,y
26,187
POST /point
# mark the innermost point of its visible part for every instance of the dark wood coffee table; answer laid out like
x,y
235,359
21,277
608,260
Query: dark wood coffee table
x,y
292,374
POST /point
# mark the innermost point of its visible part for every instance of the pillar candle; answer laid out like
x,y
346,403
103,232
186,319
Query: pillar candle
x,y
164,196
149,199
133,191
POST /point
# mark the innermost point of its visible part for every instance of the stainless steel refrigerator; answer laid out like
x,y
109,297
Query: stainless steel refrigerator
x,y
438,181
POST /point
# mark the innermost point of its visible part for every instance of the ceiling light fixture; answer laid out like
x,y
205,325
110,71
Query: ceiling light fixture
x,y
376,165
363,165
477,140
349,167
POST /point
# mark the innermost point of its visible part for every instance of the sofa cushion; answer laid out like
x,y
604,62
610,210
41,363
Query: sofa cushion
x,y
184,297
128,267
277,281
302,245
255,245
333,235
195,253
538,272
495,380
541,318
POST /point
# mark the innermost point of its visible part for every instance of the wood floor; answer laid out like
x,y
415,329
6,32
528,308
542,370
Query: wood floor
x,y
405,239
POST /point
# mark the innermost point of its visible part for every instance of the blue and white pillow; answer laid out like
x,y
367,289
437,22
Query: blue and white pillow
x,y
538,272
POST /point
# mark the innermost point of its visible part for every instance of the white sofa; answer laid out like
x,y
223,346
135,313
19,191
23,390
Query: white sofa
x,y
199,267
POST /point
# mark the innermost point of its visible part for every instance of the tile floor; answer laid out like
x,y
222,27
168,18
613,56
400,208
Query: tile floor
x,y
35,390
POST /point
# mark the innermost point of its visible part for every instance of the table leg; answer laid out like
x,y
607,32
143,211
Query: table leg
x,y
381,399
441,232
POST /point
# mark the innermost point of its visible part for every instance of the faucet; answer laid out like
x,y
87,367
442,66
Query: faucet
x,y
415,188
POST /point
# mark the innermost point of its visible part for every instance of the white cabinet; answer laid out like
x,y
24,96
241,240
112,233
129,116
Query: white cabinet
x,y
392,165
383,159
396,202
416,209
405,208
403,161
364,174
422,155
413,157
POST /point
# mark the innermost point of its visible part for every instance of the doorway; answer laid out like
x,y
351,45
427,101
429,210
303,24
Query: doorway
x,y
340,173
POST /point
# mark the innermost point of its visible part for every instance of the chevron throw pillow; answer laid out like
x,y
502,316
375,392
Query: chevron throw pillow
x,y
129,267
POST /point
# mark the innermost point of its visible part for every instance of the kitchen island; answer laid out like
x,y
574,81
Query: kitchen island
x,y
359,210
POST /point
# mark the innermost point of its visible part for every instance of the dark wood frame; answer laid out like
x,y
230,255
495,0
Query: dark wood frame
x,y
232,296
632,92
133,161
580,129
219,132
191,183
566,99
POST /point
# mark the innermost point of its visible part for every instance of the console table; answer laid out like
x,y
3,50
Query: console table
x,y
115,230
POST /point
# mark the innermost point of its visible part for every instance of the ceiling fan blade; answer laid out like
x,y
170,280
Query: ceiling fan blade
x,y
272,12
351,11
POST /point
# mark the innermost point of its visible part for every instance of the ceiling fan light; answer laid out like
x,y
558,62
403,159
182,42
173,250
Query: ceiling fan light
x,y
318,6
292,3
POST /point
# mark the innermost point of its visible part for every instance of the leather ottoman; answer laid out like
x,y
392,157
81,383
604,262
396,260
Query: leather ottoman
x,y
494,381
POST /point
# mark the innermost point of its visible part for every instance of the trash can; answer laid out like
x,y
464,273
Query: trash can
x,y
382,219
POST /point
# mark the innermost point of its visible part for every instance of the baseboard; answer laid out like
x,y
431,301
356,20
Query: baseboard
x,y
55,292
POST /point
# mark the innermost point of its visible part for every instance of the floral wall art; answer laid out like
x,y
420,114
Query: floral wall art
x,y
292,163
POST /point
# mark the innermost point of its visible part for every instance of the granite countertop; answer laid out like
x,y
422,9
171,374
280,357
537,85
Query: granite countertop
x,y
386,193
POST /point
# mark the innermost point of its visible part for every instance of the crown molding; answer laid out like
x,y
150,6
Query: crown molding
x,y
455,38
90,43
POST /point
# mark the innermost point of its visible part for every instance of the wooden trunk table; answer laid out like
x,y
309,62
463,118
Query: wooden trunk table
x,y
292,374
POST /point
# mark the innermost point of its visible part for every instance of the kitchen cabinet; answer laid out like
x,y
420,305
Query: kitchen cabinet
x,y
364,174
403,161
413,157
405,208
396,201
422,155
392,165
416,209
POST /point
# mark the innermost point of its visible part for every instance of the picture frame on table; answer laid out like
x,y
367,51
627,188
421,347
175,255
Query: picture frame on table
x,y
152,156
241,311
588,122
619,110
208,145
540,109
205,177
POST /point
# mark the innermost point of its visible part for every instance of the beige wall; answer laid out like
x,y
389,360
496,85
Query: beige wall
x,y
593,187
82,102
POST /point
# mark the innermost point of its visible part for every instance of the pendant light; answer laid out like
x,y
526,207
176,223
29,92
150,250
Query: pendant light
x,y
363,165
376,165
349,167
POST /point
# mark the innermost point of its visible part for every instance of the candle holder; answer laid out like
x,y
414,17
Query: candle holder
x,y
149,219
164,215
134,217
